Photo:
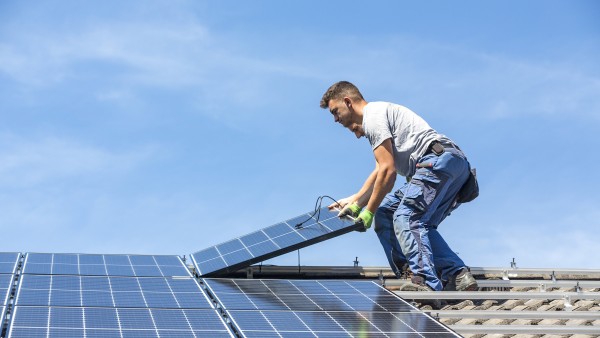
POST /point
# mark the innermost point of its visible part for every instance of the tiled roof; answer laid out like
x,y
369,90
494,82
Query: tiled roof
x,y
520,303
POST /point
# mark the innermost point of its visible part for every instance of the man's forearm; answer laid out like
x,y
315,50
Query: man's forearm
x,y
383,184
363,195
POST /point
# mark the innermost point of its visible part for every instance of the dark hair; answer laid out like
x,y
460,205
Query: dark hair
x,y
340,90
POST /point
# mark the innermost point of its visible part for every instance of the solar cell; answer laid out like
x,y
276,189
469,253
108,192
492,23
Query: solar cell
x,y
8,262
102,291
325,308
104,265
5,286
34,321
270,242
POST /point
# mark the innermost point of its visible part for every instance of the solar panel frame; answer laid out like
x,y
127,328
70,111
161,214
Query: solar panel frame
x,y
104,265
28,321
9,262
111,291
272,241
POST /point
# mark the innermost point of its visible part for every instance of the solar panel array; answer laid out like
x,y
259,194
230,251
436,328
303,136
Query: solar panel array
x,y
323,308
77,295
85,295
272,241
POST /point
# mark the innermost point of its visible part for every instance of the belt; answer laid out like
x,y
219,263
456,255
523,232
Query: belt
x,y
436,147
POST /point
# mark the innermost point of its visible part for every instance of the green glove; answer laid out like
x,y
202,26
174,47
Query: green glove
x,y
366,217
352,209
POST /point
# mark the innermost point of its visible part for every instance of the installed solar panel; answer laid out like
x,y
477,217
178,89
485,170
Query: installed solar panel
x,y
5,286
326,308
304,295
8,262
33,321
104,265
270,242
336,324
90,291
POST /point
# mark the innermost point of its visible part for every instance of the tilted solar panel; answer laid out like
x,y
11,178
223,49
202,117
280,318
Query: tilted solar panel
x,y
34,321
8,262
325,308
90,291
104,265
270,242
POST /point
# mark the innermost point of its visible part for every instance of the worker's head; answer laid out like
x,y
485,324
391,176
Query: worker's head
x,y
345,102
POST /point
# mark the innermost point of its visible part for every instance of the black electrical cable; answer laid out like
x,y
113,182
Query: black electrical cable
x,y
317,210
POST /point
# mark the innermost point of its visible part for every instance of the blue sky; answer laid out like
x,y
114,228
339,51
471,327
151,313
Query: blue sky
x,y
168,126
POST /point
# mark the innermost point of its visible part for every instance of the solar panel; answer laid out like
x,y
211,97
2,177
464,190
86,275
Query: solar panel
x,y
99,291
5,286
273,323
270,242
304,295
264,308
8,262
34,321
104,265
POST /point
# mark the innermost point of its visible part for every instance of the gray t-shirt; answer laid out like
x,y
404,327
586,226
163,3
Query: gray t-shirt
x,y
409,133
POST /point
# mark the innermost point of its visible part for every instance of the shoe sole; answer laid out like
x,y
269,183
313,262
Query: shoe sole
x,y
471,287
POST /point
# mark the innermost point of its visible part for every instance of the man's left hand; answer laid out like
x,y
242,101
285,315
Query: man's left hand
x,y
366,217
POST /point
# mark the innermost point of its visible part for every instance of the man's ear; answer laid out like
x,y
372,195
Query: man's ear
x,y
348,102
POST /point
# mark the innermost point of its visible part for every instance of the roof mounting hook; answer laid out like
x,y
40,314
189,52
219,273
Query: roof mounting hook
x,y
505,275
513,264
568,305
553,277
381,279
577,287
356,262
542,287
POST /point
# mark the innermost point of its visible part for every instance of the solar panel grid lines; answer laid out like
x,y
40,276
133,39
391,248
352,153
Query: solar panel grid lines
x,y
111,291
263,308
36,321
9,262
277,323
104,265
270,242
6,283
304,295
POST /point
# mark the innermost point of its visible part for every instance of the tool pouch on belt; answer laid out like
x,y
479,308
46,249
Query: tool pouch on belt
x,y
469,190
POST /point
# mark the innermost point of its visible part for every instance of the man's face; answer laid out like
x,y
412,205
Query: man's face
x,y
343,113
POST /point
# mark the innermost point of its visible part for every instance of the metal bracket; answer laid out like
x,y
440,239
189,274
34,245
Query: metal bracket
x,y
568,304
250,273
505,275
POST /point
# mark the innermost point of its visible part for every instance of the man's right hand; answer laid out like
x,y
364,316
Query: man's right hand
x,y
340,204
350,210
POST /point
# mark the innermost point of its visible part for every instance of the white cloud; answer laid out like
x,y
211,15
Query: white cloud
x,y
29,162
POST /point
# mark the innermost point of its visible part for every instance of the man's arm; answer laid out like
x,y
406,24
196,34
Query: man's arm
x,y
384,176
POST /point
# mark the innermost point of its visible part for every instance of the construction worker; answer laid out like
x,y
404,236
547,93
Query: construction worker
x,y
406,220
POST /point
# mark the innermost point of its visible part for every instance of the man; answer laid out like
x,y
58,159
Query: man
x,y
406,220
